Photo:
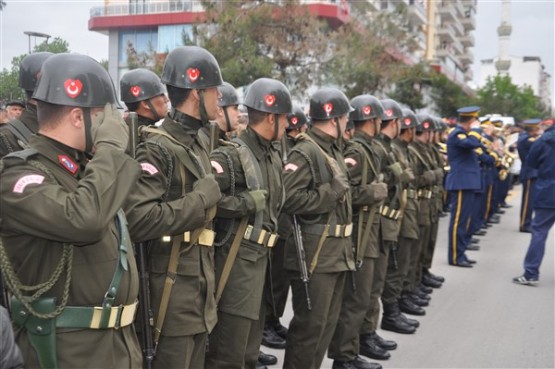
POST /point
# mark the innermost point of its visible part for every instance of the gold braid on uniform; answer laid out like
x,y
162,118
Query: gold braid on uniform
x,y
18,288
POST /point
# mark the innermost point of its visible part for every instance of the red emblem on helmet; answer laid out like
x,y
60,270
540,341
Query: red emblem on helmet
x,y
73,87
294,121
367,110
269,100
426,125
193,74
389,112
135,91
328,107
407,121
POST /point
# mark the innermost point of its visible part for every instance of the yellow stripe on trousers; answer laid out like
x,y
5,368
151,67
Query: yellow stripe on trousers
x,y
525,206
456,226
488,205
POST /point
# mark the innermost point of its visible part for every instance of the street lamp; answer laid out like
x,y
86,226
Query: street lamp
x,y
36,34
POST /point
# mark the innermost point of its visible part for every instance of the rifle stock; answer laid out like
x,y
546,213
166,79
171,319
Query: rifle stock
x,y
145,313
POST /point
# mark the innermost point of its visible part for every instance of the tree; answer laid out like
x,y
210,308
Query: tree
x,y
448,96
9,79
500,95
409,87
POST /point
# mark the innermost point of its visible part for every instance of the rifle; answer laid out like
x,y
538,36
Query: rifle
x,y
301,256
213,135
145,313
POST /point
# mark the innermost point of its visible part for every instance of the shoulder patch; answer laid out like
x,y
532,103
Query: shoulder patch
x,y
290,167
217,167
22,154
351,162
149,168
461,136
27,180
68,164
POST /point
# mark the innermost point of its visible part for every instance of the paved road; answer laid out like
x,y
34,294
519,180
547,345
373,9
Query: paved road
x,y
479,318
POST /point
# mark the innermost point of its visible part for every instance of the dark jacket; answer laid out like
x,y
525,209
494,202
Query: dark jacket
x,y
542,158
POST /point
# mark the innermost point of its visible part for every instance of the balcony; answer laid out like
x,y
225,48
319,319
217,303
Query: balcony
x,y
447,11
417,13
466,57
459,8
467,40
468,21
457,28
445,34
458,47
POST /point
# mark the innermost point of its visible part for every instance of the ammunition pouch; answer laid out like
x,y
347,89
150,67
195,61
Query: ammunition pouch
x,y
262,237
206,238
337,230
387,212
412,194
425,194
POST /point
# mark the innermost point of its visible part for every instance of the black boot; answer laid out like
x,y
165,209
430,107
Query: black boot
x,y
421,295
417,300
430,282
433,276
392,321
409,307
383,343
278,328
425,289
415,323
357,363
369,347
271,339
266,359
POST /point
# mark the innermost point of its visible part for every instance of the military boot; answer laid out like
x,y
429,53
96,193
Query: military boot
x,y
357,363
392,321
270,338
369,347
383,343
415,323
430,282
416,300
409,307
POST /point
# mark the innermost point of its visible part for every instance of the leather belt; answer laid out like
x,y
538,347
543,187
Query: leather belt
x,y
266,238
424,194
412,194
337,230
90,316
206,238
389,213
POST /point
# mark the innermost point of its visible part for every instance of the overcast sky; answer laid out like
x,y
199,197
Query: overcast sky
x,y
533,24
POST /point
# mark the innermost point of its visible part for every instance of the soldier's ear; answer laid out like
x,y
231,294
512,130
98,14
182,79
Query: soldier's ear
x,y
76,117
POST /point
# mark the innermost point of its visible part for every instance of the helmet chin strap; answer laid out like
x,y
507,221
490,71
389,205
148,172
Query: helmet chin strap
x,y
338,128
202,108
276,127
88,133
227,121
157,116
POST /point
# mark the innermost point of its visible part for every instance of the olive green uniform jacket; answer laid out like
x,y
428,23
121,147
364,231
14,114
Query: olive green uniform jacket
x,y
162,205
8,140
39,214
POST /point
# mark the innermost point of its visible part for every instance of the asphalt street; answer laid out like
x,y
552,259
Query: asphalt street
x,y
479,318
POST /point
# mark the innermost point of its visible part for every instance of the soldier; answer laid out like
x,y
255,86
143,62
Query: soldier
x,y
277,288
368,191
63,229
527,175
463,180
15,135
228,112
318,195
249,172
15,108
541,157
173,206
143,93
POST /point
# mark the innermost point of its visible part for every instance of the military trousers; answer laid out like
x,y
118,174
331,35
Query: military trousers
x,y
344,344
428,256
423,241
277,283
310,331
397,270
181,352
410,282
372,317
235,341
459,236
526,204
543,220
478,212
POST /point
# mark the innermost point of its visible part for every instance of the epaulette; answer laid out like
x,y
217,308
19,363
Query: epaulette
x,y
22,154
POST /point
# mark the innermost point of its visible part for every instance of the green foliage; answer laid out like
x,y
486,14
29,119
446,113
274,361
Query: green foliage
x,y
410,85
500,95
56,46
447,95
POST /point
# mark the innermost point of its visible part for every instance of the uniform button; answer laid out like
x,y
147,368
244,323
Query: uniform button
x,y
39,328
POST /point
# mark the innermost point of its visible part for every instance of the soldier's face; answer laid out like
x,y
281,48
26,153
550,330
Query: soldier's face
x,y
283,123
211,97
160,104
233,114
14,111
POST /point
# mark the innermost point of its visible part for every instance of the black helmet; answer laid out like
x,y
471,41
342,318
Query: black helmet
x,y
191,67
391,110
366,107
29,70
425,123
268,95
140,84
297,118
439,126
328,103
408,120
75,80
228,94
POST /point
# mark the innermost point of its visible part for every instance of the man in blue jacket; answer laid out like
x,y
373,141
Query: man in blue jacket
x,y
528,175
542,158
463,180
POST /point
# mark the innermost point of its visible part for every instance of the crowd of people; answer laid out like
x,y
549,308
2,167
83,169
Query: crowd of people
x,y
176,244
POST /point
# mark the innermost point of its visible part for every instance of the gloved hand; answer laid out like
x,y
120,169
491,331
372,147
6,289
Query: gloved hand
x,y
396,169
439,173
379,190
339,185
209,190
259,198
109,128
407,175
429,177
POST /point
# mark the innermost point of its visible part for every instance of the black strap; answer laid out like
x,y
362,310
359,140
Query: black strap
x,y
20,130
